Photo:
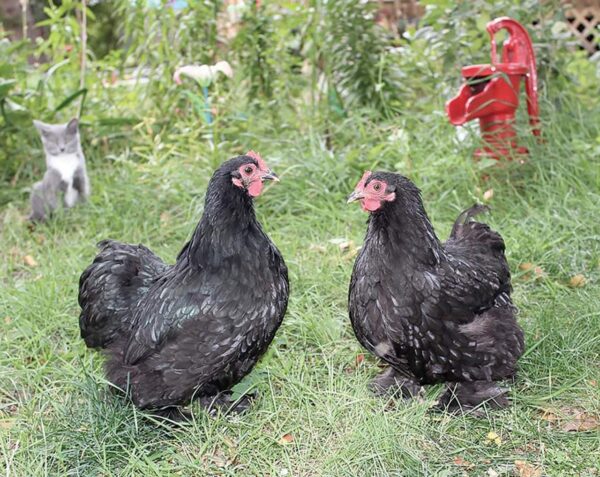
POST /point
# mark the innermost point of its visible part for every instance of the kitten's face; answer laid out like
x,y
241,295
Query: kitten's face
x,y
59,139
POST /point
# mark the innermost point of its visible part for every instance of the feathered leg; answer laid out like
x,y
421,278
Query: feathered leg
x,y
223,403
213,405
460,397
395,383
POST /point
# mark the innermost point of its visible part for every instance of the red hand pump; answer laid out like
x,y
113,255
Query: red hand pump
x,y
491,92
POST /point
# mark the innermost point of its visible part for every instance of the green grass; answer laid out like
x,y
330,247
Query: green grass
x,y
57,418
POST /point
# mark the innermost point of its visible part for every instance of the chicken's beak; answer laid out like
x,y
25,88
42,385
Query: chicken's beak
x,y
269,176
356,195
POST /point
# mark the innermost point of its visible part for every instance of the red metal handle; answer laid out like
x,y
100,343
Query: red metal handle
x,y
518,49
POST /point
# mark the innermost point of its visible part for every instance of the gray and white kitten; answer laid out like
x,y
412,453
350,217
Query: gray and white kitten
x,y
65,170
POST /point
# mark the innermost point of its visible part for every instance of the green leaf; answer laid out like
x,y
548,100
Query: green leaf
x,y
69,99
486,162
14,112
122,121
6,69
247,384
55,67
5,86
197,101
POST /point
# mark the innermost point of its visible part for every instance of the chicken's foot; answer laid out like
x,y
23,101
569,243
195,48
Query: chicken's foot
x,y
395,383
173,414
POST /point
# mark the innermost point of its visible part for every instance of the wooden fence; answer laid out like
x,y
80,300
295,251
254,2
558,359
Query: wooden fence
x,y
584,21
582,16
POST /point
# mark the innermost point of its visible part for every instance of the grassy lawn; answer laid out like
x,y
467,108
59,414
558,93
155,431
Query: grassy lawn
x,y
57,418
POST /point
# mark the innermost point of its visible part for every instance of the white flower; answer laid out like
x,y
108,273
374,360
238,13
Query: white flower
x,y
203,74
224,68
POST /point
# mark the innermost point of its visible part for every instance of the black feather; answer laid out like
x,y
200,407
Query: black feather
x,y
435,312
199,326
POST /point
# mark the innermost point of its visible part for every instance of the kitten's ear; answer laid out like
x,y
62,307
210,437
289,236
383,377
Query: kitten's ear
x,y
40,126
72,126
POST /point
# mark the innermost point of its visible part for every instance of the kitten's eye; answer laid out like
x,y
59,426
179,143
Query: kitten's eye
x,y
248,170
377,186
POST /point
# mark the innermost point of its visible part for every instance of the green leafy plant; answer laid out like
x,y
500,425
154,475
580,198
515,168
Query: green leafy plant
x,y
267,48
356,56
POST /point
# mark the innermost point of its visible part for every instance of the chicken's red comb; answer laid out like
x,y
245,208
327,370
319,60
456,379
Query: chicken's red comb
x,y
363,180
256,156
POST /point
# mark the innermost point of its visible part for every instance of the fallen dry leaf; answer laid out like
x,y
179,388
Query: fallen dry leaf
x,y
219,459
570,419
359,359
7,424
550,416
7,320
580,422
165,218
345,246
528,267
459,461
527,470
29,261
577,281
230,443
353,252
286,439
488,194
318,248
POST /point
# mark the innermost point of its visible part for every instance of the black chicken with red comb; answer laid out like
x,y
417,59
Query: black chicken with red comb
x,y
435,312
194,329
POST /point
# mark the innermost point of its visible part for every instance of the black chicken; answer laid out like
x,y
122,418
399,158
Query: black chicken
x,y
196,328
435,312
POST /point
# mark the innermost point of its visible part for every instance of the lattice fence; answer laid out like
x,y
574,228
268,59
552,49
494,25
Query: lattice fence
x,y
584,22
583,17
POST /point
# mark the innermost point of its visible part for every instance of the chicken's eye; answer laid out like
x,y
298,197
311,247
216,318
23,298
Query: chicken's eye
x,y
248,170
377,186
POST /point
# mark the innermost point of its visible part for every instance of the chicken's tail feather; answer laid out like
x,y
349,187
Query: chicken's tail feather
x,y
118,278
470,213
466,215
